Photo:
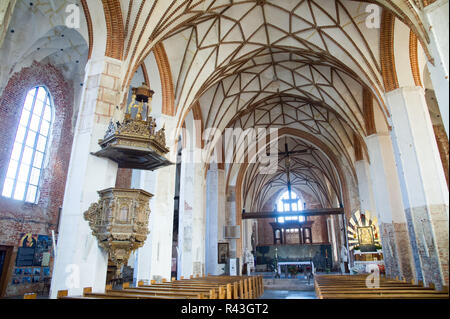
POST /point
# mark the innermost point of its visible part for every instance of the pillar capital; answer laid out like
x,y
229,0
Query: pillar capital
x,y
405,90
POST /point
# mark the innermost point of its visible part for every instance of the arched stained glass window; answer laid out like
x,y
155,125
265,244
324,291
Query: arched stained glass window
x,y
30,145
284,206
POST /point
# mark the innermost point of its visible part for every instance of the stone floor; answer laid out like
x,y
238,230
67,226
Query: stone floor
x,y
288,294
300,287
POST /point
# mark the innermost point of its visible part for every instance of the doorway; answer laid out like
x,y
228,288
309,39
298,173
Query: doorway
x,y
5,256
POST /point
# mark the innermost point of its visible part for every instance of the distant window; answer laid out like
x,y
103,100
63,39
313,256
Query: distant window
x,y
283,206
30,145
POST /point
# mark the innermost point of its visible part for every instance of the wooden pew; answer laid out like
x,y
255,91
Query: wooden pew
x,y
214,280
355,287
208,293
120,294
209,287
62,294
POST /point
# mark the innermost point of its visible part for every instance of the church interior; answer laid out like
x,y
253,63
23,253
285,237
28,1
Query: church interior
x,y
224,149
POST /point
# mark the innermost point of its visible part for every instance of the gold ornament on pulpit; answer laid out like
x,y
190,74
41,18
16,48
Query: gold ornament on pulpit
x,y
119,221
141,98
135,142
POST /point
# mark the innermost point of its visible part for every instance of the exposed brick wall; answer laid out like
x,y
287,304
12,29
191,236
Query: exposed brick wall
x,y
442,142
265,232
19,217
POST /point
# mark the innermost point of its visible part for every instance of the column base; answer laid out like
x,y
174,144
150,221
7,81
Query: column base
x,y
432,242
387,233
405,258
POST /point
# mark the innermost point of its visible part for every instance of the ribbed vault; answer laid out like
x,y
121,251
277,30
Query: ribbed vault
x,y
310,172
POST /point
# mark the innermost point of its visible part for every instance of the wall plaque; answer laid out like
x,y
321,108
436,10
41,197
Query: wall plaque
x,y
25,256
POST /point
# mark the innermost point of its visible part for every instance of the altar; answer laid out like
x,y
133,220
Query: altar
x,y
296,263
310,254
365,261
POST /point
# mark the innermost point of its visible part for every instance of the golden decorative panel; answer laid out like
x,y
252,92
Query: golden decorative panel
x,y
363,232
119,220
135,142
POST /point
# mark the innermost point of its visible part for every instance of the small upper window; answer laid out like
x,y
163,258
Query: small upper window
x,y
283,205
30,145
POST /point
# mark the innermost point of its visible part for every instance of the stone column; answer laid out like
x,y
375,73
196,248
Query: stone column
x,y
425,192
215,217
80,262
143,255
161,223
199,221
333,238
154,259
395,238
365,186
436,21
191,236
231,220
212,231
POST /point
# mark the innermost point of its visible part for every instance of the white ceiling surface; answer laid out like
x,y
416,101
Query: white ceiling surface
x,y
47,41
300,64
231,39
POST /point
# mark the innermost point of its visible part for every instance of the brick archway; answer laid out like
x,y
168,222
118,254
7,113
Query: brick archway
x,y
114,29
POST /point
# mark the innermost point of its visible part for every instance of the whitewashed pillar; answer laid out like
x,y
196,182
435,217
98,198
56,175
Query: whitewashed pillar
x,y
230,220
365,186
154,259
436,22
80,262
215,217
191,236
424,189
143,255
212,231
397,250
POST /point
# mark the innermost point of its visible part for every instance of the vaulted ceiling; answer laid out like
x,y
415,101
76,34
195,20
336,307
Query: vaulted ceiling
x,y
37,31
311,173
298,64
275,41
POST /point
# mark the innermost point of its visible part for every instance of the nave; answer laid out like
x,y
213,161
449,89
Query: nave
x,y
253,287
209,142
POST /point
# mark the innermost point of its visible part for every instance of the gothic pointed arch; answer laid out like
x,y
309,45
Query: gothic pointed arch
x,y
114,29
168,106
87,14
387,51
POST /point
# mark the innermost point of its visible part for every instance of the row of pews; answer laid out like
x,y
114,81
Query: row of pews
x,y
209,287
355,287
